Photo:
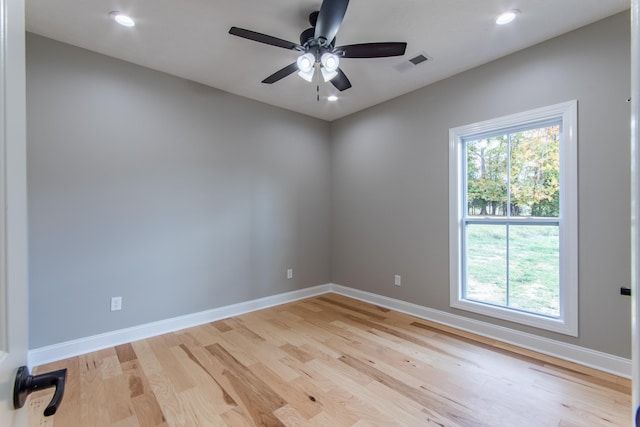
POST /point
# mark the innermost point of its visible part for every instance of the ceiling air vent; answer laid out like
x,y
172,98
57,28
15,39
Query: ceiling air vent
x,y
420,58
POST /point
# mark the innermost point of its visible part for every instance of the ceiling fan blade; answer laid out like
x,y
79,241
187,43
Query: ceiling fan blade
x,y
281,74
341,82
371,50
331,15
263,38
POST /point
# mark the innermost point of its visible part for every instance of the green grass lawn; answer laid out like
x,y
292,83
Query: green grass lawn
x,y
534,268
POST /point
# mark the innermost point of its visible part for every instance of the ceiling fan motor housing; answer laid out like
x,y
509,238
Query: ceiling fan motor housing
x,y
307,37
313,45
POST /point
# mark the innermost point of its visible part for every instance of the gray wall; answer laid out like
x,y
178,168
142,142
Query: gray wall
x,y
175,196
390,176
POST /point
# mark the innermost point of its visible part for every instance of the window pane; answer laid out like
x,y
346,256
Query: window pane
x,y
487,176
534,268
535,172
486,263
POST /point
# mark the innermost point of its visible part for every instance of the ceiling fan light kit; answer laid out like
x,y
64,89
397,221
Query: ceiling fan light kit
x,y
306,62
307,75
330,61
328,75
318,46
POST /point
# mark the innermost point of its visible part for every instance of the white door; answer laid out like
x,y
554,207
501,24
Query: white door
x,y
13,208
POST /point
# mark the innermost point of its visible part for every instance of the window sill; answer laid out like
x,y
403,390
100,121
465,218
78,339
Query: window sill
x,y
562,326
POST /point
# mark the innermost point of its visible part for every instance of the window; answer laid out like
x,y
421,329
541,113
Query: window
x,y
513,208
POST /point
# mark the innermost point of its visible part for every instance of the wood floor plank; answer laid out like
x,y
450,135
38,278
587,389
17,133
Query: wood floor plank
x,y
258,397
125,353
204,334
262,352
206,384
119,403
329,361
291,417
305,403
167,396
148,410
324,419
351,308
440,406
131,421
387,411
149,363
199,406
221,326
93,409
144,400
171,368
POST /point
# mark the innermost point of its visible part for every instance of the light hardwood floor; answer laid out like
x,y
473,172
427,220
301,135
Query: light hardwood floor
x,y
329,361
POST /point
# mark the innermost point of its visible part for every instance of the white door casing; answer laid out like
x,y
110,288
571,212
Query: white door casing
x,y
635,201
13,213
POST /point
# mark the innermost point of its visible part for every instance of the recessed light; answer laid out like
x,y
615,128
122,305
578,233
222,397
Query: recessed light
x,y
508,16
123,19
332,98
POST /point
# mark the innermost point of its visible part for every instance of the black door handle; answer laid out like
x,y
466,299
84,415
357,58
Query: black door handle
x,y
26,384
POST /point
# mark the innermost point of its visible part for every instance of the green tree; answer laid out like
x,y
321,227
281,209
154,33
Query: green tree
x,y
487,176
531,159
534,174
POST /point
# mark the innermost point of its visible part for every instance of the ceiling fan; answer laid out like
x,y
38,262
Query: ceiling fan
x,y
317,45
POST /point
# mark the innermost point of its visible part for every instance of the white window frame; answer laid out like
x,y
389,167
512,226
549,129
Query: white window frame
x,y
567,322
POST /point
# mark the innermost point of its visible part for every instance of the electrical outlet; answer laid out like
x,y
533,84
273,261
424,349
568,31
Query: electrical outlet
x,y
116,303
398,280
290,273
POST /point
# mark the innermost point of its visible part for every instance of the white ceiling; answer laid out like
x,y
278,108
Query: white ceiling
x,y
189,39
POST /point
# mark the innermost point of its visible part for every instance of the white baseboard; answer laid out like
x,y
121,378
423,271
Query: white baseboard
x,y
595,359
64,350
573,353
